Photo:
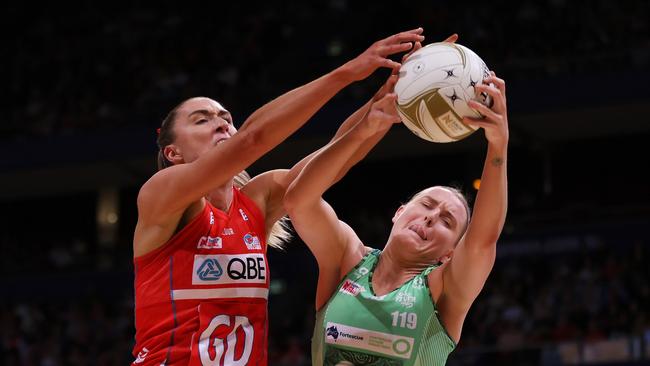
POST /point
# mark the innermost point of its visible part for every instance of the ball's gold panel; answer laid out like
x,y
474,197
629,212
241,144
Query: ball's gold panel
x,y
431,107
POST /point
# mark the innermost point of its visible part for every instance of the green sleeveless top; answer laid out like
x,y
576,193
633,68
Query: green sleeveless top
x,y
356,327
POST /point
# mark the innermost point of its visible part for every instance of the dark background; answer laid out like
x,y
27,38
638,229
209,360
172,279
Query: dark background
x,y
86,85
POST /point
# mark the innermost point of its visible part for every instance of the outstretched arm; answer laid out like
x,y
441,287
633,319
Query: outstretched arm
x,y
315,220
266,128
163,199
280,179
474,256
268,189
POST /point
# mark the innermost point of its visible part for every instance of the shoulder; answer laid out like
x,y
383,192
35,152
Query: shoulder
x,y
159,186
355,250
435,282
261,187
265,181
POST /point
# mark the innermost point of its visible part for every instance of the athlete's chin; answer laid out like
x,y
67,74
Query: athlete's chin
x,y
409,242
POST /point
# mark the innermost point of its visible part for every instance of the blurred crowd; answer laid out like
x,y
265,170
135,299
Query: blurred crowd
x,y
94,66
577,287
67,299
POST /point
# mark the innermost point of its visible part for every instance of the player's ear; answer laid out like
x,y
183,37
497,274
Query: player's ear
x,y
398,213
173,154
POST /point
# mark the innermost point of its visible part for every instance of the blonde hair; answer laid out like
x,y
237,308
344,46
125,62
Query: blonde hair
x,y
280,232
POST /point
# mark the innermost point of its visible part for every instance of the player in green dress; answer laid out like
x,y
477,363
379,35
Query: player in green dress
x,y
407,304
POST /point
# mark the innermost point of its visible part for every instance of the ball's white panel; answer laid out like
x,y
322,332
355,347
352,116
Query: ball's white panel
x,y
433,89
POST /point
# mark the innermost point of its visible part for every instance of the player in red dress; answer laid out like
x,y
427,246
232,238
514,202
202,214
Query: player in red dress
x,y
201,272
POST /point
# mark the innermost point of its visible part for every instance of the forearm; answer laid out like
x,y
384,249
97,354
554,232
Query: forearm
x,y
492,199
279,118
365,146
362,150
326,167
347,125
352,120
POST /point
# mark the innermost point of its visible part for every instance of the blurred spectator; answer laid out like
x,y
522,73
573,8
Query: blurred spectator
x,y
114,66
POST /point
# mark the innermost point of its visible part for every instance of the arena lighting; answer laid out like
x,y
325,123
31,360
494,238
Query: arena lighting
x,y
107,215
476,184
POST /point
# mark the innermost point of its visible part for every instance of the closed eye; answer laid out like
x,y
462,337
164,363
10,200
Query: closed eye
x,y
448,220
200,121
226,116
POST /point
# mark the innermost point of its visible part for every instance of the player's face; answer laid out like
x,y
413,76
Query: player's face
x,y
431,223
201,124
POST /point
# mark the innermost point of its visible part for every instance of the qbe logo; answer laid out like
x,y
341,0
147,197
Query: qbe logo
x,y
233,268
209,270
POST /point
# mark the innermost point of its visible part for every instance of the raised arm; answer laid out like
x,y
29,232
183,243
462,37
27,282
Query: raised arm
x,y
171,190
268,189
280,179
474,256
315,220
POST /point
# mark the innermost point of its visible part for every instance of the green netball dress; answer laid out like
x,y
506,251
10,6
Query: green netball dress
x,y
356,327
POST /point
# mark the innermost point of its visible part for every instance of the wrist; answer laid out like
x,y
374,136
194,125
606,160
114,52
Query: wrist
x,y
498,149
363,130
343,74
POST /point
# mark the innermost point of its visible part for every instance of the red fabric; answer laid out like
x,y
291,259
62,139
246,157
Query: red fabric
x,y
215,251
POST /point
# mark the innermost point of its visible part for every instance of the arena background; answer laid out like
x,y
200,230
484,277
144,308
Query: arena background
x,y
86,85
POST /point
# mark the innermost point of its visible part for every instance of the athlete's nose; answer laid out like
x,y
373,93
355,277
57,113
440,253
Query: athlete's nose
x,y
222,127
428,221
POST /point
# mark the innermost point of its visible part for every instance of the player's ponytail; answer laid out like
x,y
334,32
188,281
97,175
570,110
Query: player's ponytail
x,y
166,137
280,232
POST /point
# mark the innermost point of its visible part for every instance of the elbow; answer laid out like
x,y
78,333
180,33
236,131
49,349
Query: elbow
x,y
290,202
295,202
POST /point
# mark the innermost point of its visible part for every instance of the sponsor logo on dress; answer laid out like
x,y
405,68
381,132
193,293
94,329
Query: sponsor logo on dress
x,y
405,299
243,214
369,340
252,242
332,332
209,242
141,355
209,270
351,288
361,272
418,283
227,231
226,269
211,218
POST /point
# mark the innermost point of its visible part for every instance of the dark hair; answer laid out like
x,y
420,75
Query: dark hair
x,y
166,136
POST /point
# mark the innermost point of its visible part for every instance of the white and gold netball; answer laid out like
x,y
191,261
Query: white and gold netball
x,y
434,86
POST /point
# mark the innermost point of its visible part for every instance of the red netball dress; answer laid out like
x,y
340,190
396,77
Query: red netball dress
x,y
201,298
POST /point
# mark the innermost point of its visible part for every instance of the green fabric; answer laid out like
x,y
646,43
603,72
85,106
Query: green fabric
x,y
356,327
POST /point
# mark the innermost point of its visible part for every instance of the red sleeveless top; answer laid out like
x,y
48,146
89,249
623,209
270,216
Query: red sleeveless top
x,y
201,298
